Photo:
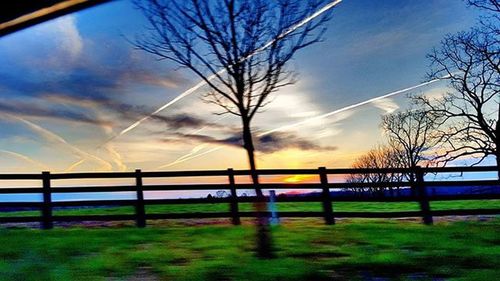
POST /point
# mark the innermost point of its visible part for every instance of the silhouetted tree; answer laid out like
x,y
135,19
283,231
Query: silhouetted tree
x,y
240,49
376,158
412,133
470,62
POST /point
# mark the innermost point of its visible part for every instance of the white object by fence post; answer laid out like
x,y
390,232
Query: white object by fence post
x,y
272,208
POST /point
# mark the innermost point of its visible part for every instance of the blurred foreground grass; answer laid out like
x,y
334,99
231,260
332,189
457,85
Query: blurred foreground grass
x,y
305,250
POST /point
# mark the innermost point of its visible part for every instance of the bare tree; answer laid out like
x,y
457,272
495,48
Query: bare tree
x,y
241,50
470,62
413,133
377,158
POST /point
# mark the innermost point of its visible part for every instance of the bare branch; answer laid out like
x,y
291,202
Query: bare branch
x,y
471,59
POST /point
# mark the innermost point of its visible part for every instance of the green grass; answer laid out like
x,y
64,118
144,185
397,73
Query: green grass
x,y
295,206
305,250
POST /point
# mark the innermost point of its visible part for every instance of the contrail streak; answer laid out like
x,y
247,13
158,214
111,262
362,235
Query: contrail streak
x,y
299,25
55,139
178,98
187,157
319,117
213,76
190,155
74,165
116,157
24,158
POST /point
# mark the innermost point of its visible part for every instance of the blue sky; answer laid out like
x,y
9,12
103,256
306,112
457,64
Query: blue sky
x,y
70,84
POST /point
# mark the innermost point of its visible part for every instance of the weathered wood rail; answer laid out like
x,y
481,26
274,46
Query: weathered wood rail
x,y
46,206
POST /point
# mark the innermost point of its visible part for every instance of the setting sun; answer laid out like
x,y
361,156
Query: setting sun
x,y
298,178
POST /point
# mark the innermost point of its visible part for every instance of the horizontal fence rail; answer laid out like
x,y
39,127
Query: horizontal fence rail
x,y
419,193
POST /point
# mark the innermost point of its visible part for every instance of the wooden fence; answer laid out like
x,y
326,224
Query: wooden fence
x,y
326,199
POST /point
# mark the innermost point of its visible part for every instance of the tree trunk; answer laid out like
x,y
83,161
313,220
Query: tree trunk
x,y
264,246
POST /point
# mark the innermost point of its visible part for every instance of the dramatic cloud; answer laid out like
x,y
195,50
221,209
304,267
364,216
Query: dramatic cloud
x,y
302,102
77,67
281,141
55,45
108,82
136,73
179,121
265,144
126,112
35,109
268,144
437,93
68,36
387,105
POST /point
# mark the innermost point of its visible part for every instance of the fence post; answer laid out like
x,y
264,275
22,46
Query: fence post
x,y
422,196
47,222
326,198
139,205
234,198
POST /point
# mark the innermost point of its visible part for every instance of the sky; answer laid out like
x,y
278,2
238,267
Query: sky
x,y
70,86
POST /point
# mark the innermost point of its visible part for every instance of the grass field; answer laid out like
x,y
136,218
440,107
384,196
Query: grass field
x,y
295,206
305,250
